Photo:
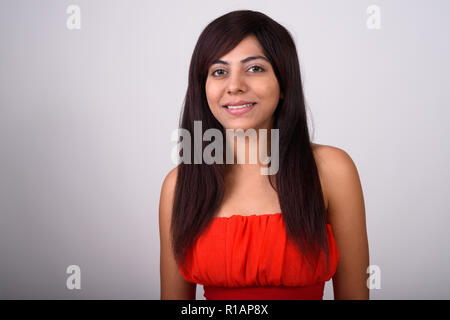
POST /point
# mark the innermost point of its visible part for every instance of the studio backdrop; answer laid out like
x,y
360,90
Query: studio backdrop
x,y
91,92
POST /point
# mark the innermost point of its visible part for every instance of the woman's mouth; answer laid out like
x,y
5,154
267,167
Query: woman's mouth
x,y
237,110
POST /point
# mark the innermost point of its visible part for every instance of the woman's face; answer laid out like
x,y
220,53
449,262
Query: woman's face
x,y
240,77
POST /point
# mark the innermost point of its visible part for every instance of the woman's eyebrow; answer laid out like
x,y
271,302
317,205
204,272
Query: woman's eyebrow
x,y
243,60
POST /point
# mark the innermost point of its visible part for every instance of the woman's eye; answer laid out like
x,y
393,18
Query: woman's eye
x,y
258,67
215,72
220,72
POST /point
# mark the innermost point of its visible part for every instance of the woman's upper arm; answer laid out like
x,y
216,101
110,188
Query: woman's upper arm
x,y
173,285
346,214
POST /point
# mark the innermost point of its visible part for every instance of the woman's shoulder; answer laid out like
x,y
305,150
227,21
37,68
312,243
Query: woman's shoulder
x,y
170,179
334,164
328,157
336,169
172,174
167,192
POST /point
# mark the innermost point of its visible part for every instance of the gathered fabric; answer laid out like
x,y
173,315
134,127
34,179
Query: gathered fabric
x,y
250,257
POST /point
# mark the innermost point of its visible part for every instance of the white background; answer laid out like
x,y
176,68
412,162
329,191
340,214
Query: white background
x,y
86,118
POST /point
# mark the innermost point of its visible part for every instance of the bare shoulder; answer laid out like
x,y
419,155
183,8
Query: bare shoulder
x,y
336,167
330,158
337,172
173,285
169,183
346,215
171,178
167,193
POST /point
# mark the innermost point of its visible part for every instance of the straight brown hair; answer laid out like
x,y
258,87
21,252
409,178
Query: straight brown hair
x,y
200,187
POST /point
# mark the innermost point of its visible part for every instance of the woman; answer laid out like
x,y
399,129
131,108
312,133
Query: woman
x,y
241,234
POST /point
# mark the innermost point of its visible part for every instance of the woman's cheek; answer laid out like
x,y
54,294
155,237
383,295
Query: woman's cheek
x,y
213,96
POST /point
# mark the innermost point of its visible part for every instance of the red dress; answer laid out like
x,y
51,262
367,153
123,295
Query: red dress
x,y
250,257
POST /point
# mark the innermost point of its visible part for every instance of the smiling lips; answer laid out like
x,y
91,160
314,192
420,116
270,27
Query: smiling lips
x,y
239,107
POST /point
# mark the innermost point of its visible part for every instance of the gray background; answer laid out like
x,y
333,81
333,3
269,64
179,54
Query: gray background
x,y
86,118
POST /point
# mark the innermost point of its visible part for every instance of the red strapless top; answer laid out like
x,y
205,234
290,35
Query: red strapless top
x,y
250,257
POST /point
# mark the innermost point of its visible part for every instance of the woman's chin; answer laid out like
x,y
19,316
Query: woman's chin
x,y
237,124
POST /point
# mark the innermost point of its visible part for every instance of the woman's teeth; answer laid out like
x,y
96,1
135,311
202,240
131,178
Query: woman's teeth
x,y
240,107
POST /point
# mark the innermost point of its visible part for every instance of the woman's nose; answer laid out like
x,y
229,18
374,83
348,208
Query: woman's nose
x,y
236,83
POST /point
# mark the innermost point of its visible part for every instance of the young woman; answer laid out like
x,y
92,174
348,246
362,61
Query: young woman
x,y
242,234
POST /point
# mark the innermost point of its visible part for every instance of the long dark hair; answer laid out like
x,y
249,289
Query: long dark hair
x,y
200,187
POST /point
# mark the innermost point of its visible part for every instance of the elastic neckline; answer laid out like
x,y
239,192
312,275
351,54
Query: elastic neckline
x,y
248,216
